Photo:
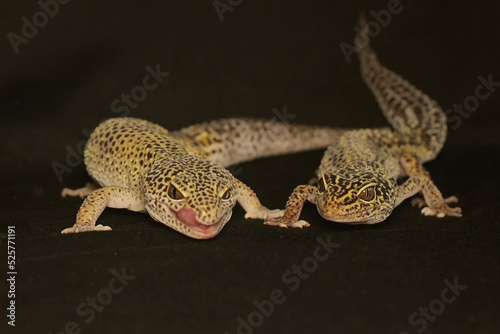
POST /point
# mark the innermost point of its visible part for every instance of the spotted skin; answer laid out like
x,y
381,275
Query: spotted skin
x,y
235,140
357,177
179,178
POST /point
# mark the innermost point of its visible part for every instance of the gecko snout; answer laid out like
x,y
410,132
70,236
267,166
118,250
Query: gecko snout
x,y
203,231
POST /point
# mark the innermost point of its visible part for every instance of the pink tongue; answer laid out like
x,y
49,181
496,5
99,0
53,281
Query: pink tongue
x,y
188,217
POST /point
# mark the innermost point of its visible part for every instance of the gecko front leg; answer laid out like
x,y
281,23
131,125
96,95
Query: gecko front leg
x,y
294,207
251,204
420,181
97,201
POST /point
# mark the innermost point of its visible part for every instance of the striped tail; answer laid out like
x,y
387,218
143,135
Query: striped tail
x,y
411,112
231,141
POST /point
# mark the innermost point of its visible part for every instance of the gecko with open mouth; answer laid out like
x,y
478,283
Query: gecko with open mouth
x,y
179,177
357,177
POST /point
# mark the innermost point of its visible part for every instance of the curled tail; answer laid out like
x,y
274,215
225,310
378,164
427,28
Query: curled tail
x,y
232,141
411,112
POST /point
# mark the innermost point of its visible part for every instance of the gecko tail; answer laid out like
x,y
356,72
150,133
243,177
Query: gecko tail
x,y
231,141
410,111
362,39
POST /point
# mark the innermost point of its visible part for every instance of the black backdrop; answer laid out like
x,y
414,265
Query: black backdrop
x,y
263,56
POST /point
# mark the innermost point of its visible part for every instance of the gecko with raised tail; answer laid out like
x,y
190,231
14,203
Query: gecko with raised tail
x,y
179,177
357,177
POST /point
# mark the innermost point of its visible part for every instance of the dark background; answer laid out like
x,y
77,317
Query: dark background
x,y
264,55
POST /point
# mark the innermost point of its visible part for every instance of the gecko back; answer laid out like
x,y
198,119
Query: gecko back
x,y
120,149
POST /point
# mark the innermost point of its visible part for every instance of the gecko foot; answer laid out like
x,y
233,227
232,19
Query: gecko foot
x,y
264,213
284,223
82,192
442,211
85,228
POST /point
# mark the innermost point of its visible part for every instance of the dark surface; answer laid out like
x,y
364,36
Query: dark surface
x,y
264,55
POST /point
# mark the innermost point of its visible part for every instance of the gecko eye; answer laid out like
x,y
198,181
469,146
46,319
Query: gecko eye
x,y
367,194
321,185
174,193
226,195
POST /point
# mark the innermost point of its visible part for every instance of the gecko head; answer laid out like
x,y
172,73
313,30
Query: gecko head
x,y
355,196
191,195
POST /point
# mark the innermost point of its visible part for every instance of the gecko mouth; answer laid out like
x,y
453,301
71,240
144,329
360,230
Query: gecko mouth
x,y
347,218
188,217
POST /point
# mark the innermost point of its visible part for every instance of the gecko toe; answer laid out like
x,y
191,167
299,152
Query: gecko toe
x,y
313,181
455,212
418,202
301,224
286,223
85,228
442,212
451,199
428,211
264,213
